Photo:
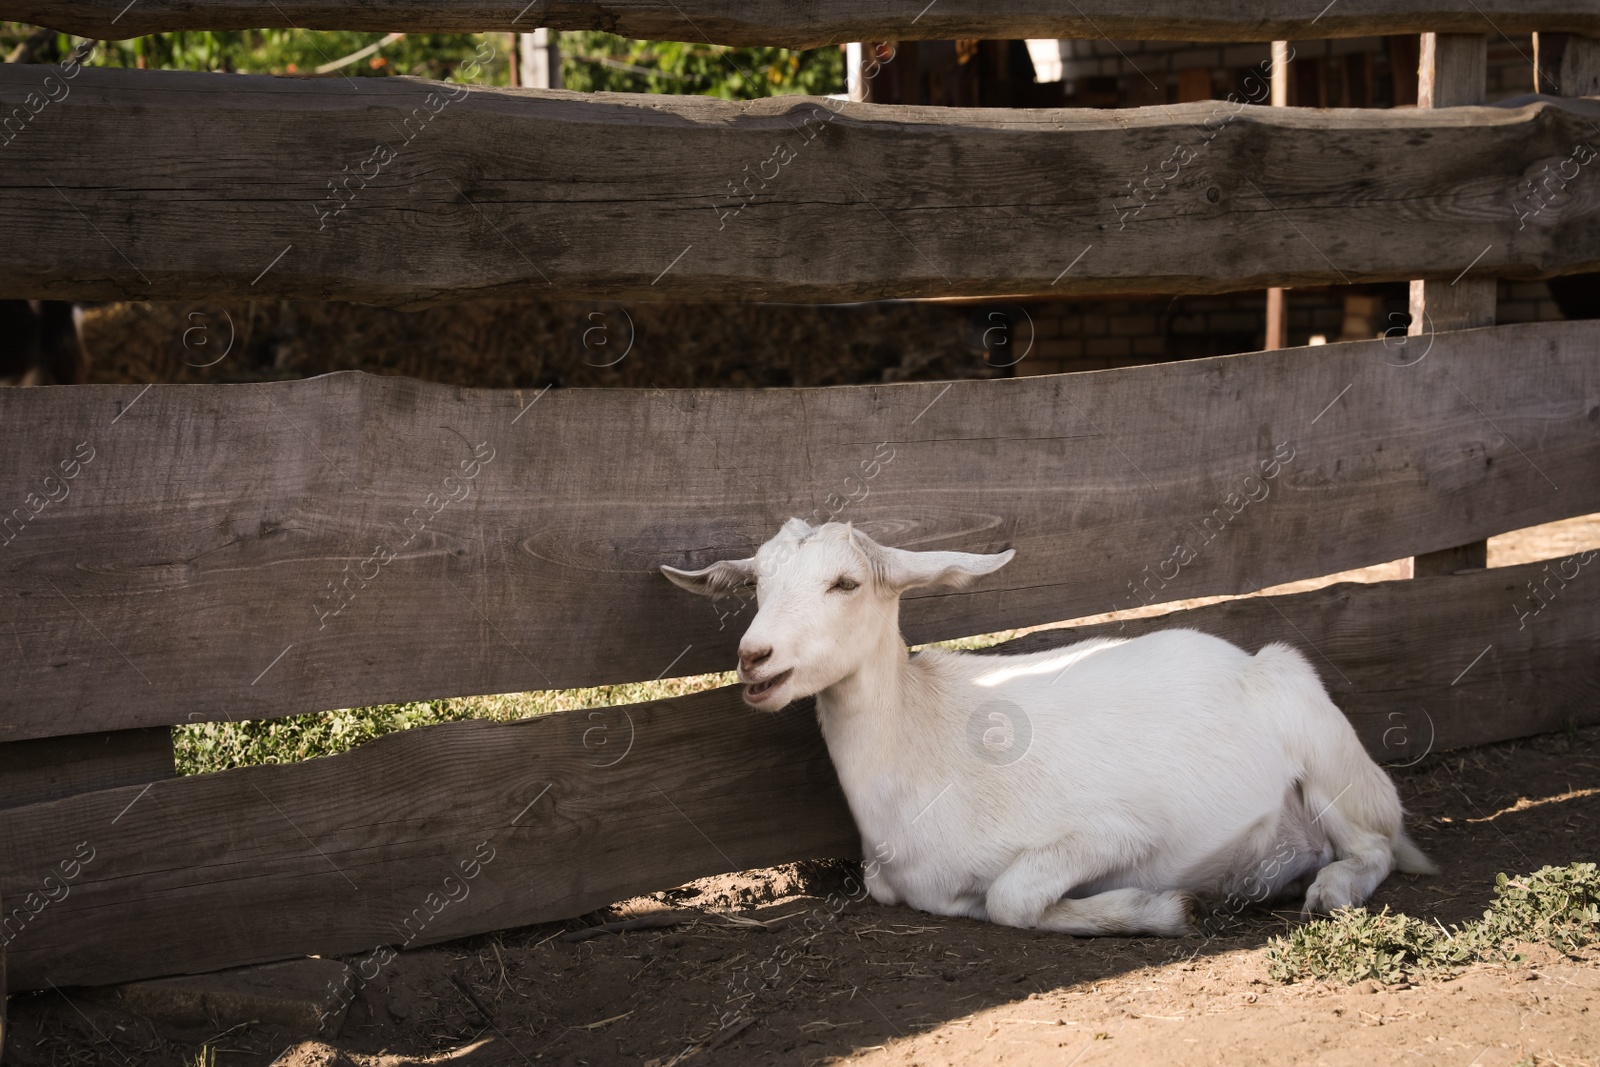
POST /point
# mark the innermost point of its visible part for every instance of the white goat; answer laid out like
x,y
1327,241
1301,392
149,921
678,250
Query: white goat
x,y
1108,787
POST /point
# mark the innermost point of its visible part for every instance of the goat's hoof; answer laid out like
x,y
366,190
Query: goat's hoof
x,y
1191,914
1328,894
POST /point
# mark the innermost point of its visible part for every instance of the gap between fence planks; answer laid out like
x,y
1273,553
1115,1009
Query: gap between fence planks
x,y
247,551
583,808
173,185
818,22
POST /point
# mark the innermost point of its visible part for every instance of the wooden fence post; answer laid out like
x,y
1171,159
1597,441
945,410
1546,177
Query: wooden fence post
x,y
856,84
1452,73
1277,312
1567,64
539,59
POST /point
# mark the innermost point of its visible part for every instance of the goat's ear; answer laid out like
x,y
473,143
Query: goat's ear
x,y
721,577
900,569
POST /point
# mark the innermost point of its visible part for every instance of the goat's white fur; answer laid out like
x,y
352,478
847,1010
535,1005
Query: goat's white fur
x,y
1108,787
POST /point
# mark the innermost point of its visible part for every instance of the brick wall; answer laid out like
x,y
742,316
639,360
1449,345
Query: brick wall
x,y
1350,72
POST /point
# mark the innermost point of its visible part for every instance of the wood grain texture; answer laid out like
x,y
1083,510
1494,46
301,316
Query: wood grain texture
x,y
172,185
1452,72
583,808
198,566
338,855
1569,63
1454,69
51,767
1460,305
816,22
1580,66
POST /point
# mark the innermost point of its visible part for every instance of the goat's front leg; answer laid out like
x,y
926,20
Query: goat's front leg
x,y
1031,894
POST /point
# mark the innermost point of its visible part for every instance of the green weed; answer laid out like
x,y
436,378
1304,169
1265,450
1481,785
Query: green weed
x,y
1557,906
216,746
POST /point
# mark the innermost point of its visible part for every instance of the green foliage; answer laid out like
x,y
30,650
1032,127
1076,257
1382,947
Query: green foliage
x,y
216,746
594,61
1558,906
590,60
429,55
1355,945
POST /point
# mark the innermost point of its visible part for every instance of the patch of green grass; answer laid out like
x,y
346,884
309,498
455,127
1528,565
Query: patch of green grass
x,y
217,746
1558,906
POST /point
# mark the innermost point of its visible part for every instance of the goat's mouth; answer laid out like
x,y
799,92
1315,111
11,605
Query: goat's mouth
x,y
756,692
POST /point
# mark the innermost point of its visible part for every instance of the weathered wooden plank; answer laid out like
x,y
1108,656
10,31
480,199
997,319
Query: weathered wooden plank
x,y
1454,69
1568,64
582,808
818,22
256,550
171,185
562,814
1277,332
51,767
1452,73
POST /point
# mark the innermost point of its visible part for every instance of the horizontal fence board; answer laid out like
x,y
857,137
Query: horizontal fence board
x,y
582,808
246,551
577,810
46,768
170,185
807,25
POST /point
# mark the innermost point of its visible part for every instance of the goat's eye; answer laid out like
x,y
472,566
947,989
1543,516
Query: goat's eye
x,y
844,585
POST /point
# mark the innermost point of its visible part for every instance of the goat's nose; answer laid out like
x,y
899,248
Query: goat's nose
x,y
753,657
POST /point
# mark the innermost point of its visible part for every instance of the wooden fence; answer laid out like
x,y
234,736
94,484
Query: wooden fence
x,y
177,554
809,23
394,193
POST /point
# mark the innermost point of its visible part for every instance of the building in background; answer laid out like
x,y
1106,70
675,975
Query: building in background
x,y
1096,333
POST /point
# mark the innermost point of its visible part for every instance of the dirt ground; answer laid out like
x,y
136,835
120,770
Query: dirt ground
x,y
746,980
769,969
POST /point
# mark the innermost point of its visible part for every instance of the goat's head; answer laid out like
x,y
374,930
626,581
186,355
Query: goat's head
x,y
828,600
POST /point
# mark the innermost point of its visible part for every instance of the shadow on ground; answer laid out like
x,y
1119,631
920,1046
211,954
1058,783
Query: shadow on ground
x,y
720,991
